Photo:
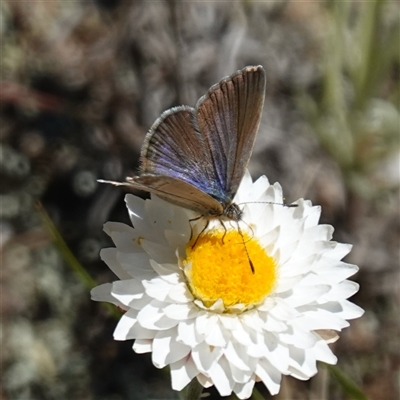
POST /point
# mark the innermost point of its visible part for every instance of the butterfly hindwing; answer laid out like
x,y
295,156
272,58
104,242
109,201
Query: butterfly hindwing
x,y
175,191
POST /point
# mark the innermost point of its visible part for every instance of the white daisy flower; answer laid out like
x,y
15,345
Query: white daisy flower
x,y
192,300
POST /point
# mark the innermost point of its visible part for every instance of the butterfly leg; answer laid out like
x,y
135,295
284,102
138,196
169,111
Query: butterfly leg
x,y
198,236
191,228
226,231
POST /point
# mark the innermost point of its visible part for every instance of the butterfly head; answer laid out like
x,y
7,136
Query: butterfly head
x,y
232,212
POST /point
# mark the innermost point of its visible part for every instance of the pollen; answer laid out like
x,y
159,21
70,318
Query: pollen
x,y
219,266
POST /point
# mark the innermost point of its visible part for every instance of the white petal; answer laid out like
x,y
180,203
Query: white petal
x,y
157,288
236,354
282,311
103,293
277,354
181,312
301,295
136,212
313,215
285,251
158,252
122,235
229,321
252,319
168,272
244,390
158,212
127,291
270,376
246,185
335,271
217,335
278,193
273,325
166,349
177,238
182,372
287,283
109,256
307,249
260,186
142,346
339,251
340,291
218,306
152,316
328,314
256,349
187,333
135,203
303,360
269,238
136,265
204,322
238,375
323,353
180,293
221,377
112,227
129,328
351,310
319,232
344,309
265,214
296,267
290,233
296,373
241,335
205,356
180,225
298,338
205,381
319,319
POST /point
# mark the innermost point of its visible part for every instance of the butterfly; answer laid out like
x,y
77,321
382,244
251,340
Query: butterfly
x,y
196,157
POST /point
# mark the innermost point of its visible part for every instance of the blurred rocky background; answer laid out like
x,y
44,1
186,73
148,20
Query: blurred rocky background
x,y
81,83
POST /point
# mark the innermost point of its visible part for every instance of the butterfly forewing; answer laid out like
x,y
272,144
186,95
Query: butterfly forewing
x,y
174,147
228,117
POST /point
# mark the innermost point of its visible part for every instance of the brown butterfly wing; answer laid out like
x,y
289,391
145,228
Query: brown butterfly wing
x,y
174,191
228,117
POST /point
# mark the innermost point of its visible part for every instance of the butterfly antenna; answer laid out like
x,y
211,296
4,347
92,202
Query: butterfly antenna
x,y
284,204
252,231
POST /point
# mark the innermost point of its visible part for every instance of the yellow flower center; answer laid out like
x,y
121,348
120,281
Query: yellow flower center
x,y
219,267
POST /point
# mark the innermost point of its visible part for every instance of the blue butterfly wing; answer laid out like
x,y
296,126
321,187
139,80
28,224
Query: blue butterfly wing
x,y
174,147
209,146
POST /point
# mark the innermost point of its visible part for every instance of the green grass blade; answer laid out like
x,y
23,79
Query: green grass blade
x,y
69,257
349,387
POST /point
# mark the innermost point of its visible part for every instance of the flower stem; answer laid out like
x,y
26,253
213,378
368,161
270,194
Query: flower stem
x,y
194,390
